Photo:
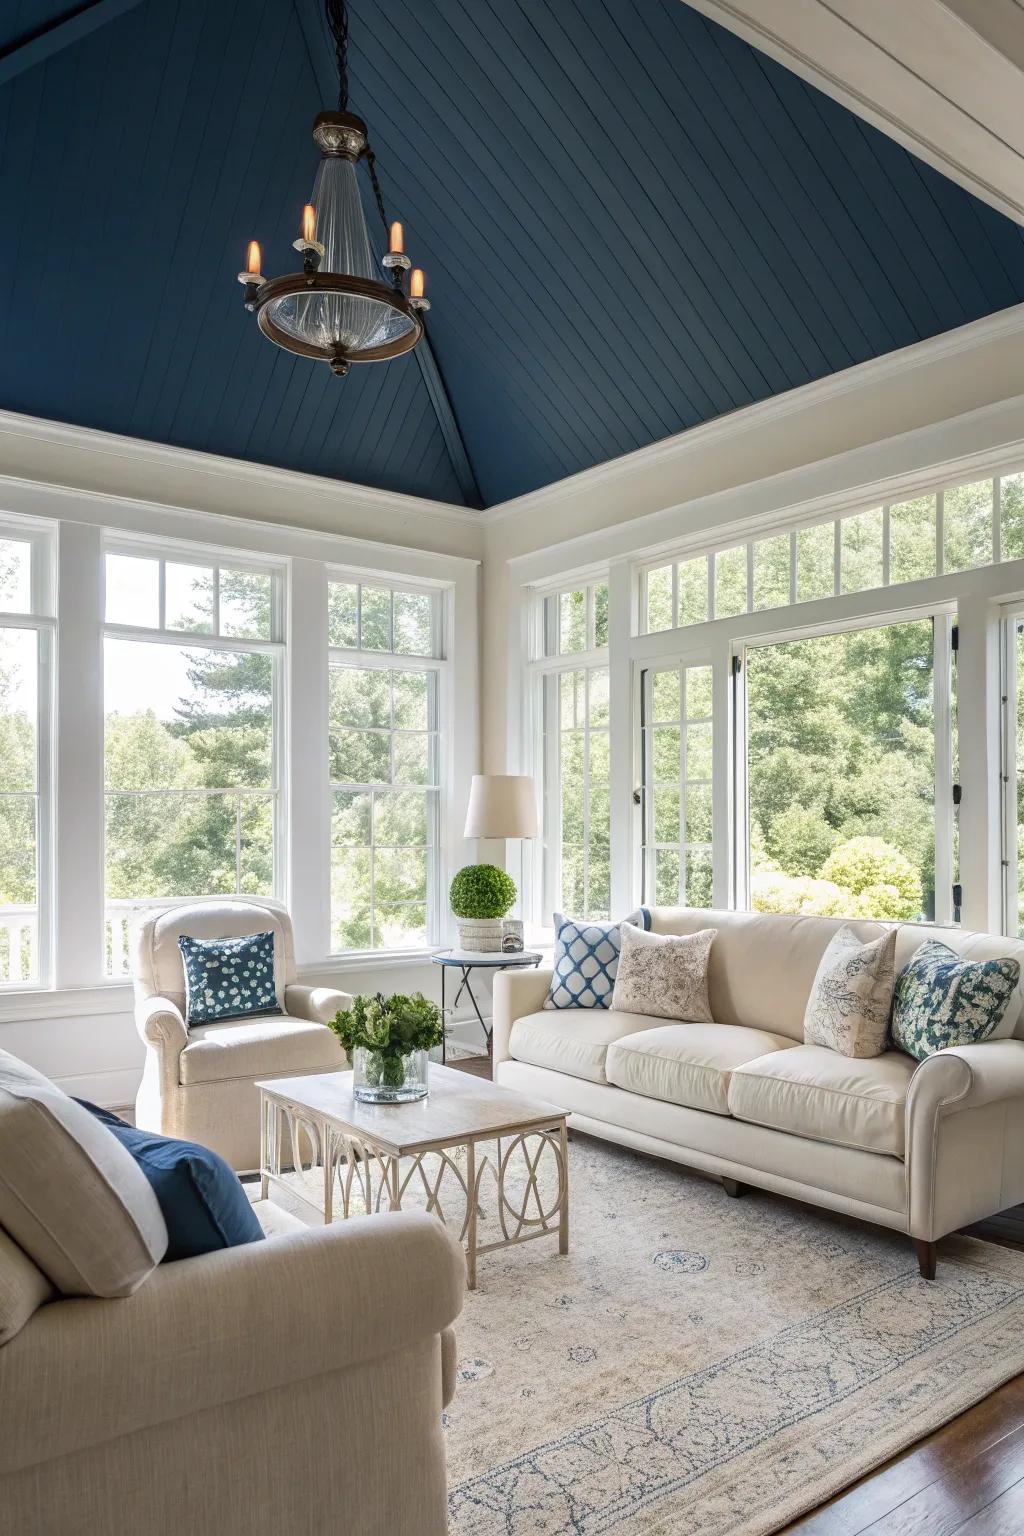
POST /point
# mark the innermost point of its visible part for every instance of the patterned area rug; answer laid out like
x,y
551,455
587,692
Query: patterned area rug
x,y
701,1364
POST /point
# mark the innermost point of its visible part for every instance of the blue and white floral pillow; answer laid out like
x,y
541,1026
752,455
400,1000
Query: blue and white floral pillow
x,y
228,978
586,959
941,1000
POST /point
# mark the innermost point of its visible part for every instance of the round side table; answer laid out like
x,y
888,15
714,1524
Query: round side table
x,y
466,961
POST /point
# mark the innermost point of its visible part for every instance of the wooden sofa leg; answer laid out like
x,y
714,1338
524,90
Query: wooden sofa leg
x,y
733,1188
925,1258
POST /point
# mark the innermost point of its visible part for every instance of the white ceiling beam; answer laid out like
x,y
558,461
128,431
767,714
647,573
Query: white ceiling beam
x,y
944,78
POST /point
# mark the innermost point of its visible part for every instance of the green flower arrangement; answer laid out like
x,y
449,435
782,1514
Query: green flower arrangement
x,y
388,1029
482,891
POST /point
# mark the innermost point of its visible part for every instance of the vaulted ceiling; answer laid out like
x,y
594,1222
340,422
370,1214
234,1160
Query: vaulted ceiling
x,y
631,222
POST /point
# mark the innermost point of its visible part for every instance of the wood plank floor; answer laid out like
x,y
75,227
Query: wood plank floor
x,y
967,1479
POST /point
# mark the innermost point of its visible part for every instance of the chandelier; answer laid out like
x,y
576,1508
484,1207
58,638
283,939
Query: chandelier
x,y
338,308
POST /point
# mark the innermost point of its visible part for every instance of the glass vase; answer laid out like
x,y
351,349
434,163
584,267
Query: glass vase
x,y
382,1078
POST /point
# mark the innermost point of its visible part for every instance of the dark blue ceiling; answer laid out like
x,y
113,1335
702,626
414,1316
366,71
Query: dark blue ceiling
x,y
630,220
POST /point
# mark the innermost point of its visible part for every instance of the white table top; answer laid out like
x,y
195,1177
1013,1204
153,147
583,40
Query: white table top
x,y
487,957
458,1108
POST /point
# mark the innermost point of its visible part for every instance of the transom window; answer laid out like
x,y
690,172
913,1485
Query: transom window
x,y
957,528
575,620
191,734
384,763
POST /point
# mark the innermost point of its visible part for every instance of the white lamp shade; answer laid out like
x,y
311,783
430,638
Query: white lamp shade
x,y
502,805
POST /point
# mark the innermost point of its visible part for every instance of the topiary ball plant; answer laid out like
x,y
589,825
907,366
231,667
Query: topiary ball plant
x,y
482,891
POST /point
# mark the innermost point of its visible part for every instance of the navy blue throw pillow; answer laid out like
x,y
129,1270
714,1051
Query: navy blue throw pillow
x,y
203,1203
228,978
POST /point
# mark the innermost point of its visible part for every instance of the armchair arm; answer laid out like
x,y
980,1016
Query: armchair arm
x,y
516,993
207,1331
965,1135
319,1004
160,1023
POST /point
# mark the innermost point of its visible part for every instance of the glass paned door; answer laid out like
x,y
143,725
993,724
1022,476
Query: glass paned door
x,y
849,773
676,748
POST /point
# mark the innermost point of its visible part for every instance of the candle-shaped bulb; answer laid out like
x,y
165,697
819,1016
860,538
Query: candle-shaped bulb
x,y
397,245
309,222
252,260
416,283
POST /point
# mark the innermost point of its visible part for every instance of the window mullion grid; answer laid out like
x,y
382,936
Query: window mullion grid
x,y
586,790
792,565
682,787
997,520
940,532
886,535
837,557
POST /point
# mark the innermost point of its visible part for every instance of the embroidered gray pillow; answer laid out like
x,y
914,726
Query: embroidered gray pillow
x,y
664,975
851,999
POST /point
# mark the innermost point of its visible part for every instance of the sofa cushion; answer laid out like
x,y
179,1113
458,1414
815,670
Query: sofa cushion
x,y
70,1196
812,1091
586,957
850,1002
260,1047
23,1288
573,1040
228,978
687,1063
943,1001
203,1202
664,974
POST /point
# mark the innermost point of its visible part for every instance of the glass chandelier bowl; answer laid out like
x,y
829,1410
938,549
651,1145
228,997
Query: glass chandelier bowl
x,y
341,311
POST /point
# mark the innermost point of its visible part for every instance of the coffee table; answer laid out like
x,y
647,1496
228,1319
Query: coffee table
x,y
379,1155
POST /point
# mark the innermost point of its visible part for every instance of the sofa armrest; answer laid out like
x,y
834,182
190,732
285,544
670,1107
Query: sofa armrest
x,y
319,1004
964,1155
160,1023
516,993
207,1331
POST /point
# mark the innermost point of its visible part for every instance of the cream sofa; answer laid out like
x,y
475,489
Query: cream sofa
x,y
288,1385
199,1084
922,1148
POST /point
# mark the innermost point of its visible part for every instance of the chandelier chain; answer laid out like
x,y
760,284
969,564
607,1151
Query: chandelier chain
x,y
337,21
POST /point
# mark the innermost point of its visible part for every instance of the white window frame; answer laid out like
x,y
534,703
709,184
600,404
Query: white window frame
x,y
542,725
41,621
440,665
203,557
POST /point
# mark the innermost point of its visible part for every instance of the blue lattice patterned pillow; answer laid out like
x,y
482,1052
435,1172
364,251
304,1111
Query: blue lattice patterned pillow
x,y
228,978
586,959
941,1000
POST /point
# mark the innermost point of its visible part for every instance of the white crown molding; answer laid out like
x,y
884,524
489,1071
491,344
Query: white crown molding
x,y
894,468
750,418
240,472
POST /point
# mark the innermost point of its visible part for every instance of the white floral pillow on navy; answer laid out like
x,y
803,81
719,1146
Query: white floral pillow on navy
x,y
586,958
228,978
941,1000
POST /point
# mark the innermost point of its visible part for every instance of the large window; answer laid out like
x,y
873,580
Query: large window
x,y
570,703
191,765
385,774
677,755
26,647
848,737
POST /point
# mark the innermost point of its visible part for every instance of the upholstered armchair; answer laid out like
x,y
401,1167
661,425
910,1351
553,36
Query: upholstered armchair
x,y
199,1083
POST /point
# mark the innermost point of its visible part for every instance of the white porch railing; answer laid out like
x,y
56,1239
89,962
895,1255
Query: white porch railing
x,y
120,917
19,945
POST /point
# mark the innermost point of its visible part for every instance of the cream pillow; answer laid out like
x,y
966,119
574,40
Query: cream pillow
x,y
70,1195
664,975
851,999
23,1288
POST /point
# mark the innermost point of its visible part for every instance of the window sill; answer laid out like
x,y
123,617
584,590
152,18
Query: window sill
x,y
367,959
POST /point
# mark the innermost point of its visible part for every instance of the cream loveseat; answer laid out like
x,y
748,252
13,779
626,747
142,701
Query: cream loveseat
x,y
924,1148
199,1083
